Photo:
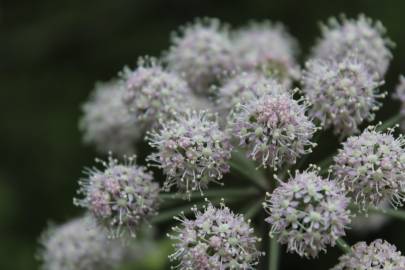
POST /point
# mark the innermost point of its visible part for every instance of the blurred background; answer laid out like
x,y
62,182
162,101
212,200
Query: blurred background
x,y
52,52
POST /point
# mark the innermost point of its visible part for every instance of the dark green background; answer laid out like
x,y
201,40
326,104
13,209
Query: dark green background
x,y
52,52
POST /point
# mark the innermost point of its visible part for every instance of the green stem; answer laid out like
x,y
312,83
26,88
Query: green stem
x,y
395,213
252,174
390,122
219,193
343,245
274,252
253,209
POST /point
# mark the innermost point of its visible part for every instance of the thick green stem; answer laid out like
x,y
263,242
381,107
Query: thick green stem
x,y
274,253
343,245
395,213
390,122
251,174
214,193
253,209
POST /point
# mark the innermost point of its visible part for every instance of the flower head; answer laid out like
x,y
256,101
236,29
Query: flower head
x,y
106,122
274,129
202,52
371,166
266,47
77,245
308,213
215,239
379,254
363,36
191,150
343,93
152,93
243,87
121,196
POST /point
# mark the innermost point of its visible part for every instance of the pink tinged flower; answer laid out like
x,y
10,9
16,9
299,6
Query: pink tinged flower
x,y
371,167
198,152
120,197
220,240
274,129
308,213
202,53
379,254
342,92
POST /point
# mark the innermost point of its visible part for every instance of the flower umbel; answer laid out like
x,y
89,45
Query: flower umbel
x,y
274,129
216,239
202,52
378,255
77,245
362,36
121,196
152,93
191,150
343,93
308,213
106,122
371,166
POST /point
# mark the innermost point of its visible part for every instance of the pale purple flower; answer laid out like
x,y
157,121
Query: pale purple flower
x,y
371,166
79,245
153,93
378,255
191,150
215,239
343,93
274,129
243,87
362,36
202,53
308,213
266,47
106,122
121,196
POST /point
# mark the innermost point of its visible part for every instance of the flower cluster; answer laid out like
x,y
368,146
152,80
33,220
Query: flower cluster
x,y
400,95
378,255
191,150
274,129
372,168
121,196
106,122
152,93
243,87
215,239
266,47
342,92
77,245
202,53
362,36
308,213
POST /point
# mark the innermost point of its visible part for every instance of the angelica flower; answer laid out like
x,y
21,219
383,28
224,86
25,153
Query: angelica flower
x,y
215,239
274,129
106,122
191,150
379,254
79,245
121,196
202,53
363,36
308,213
371,166
343,93
153,93
266,47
